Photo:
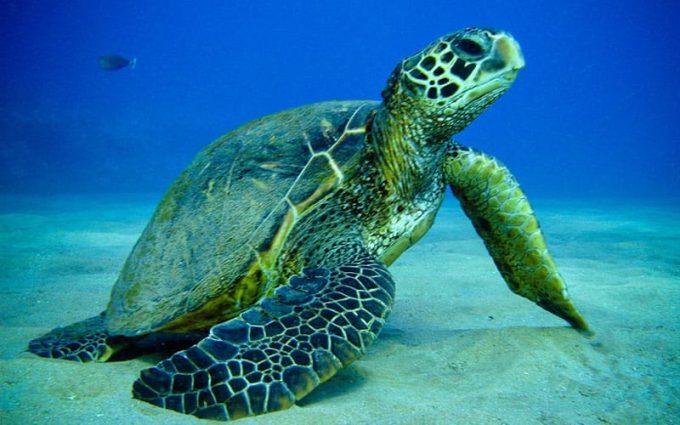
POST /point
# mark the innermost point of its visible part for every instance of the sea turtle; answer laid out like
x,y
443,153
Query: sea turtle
x,y
273,244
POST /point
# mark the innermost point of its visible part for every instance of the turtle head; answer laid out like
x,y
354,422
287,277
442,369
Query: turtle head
x,y
442,88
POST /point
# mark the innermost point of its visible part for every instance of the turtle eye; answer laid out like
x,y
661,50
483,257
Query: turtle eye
x,y
470,47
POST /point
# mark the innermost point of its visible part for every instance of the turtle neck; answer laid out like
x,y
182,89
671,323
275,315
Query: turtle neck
x,y
407,155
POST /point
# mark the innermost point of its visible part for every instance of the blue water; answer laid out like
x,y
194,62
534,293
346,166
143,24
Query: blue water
x,y
594,114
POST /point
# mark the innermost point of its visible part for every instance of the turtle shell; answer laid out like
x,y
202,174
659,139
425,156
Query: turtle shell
x,y
210,248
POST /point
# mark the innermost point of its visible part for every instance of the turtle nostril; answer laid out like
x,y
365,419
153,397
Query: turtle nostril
x,y
469,46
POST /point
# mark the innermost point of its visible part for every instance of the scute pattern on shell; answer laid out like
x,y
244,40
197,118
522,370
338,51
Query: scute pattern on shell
x,y
226,208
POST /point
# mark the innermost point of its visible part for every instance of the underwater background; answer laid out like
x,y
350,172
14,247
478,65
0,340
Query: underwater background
x,y
593,114
591,129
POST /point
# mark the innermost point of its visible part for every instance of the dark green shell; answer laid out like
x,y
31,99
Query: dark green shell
x,y
223,212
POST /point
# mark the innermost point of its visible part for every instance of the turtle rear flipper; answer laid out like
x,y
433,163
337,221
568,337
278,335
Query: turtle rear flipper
x,y
84,341
279,350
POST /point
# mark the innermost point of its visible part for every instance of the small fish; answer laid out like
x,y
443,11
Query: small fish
x,y
116,62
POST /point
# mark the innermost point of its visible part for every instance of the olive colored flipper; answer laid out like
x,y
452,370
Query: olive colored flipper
x,y
84,341
502,216
279,350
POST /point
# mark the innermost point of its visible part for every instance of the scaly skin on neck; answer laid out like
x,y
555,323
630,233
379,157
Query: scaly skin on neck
x,y
406,152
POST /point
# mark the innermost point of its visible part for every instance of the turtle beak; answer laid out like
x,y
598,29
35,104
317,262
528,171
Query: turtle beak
x,y
498,70
507,51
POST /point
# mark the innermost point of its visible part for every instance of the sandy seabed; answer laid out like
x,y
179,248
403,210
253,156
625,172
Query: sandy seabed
x,y
459,348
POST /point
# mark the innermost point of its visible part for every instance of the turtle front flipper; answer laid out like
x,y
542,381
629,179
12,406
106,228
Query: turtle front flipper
x,y
84,341
502,216
278,351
